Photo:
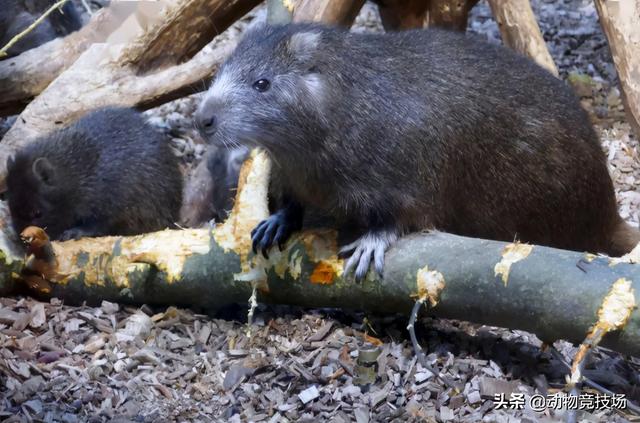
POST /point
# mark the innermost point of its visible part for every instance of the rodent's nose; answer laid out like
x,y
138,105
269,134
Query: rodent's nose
x,y
207,123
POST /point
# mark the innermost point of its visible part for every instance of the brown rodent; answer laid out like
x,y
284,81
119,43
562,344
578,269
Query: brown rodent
x,y
403,131
109,173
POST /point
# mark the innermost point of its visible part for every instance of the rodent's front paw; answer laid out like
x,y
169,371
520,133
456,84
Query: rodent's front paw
x,y
274,230
371,245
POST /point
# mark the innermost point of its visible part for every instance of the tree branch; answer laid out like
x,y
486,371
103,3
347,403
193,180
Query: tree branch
x,y
621,24
521,32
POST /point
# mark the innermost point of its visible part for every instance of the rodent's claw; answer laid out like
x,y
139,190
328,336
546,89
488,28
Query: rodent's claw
x,y
256,235
261,237
371,246
280,238
274,230
351,263
360,259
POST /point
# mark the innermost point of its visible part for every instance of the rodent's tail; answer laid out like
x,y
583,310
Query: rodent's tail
x,y
623,239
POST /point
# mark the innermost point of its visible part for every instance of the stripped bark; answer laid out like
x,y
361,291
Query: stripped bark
x,y
620,21
520,31
114,74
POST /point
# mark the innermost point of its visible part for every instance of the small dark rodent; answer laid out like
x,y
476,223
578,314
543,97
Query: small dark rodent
x,y
17,15
109,173
211,189
404,131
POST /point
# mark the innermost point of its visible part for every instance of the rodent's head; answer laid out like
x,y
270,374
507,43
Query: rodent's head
x,y
270,92
37,196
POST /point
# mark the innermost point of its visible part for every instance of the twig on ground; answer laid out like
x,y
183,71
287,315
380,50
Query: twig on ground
x,y
422,358
587,381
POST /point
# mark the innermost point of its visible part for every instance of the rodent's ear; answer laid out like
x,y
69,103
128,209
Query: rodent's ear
x,y
304,44
43,170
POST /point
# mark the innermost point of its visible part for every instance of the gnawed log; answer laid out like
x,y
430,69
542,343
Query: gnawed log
x,y
520,31
113,74
552,293
620,21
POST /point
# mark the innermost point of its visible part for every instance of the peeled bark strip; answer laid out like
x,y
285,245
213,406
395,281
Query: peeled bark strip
x,y
620,21
340,12
112,73
520,31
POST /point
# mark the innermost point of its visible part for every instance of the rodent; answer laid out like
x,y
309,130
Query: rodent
x,y
412,130
211,189
108,173
17,15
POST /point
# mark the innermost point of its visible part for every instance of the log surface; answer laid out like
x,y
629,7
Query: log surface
x,y
553,293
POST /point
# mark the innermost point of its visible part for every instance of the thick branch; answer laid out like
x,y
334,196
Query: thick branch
x,y
552,293
183,31
621,24
520,31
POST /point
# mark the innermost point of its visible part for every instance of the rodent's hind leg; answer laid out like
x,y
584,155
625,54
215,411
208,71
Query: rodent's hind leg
x,y
277,228
372,245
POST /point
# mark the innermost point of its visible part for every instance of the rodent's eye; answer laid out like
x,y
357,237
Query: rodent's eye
x,y
262,85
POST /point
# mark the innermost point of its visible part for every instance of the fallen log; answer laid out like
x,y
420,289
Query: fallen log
x,y
621,24
520,31
553,293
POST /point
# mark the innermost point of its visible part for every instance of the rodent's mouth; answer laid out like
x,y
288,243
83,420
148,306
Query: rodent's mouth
x,y
220,140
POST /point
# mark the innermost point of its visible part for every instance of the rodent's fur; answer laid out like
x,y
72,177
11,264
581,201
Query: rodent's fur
x,y
403,131
17,15
211,188
109,173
